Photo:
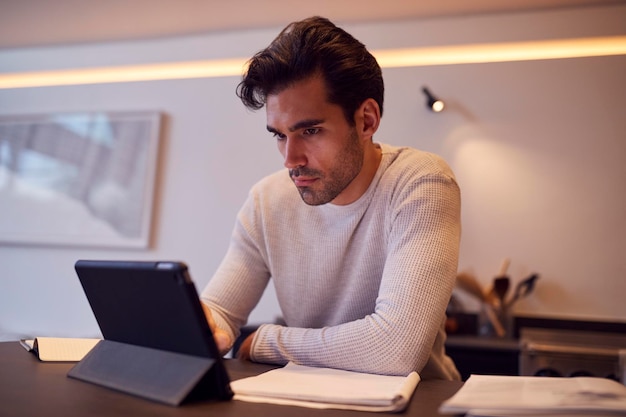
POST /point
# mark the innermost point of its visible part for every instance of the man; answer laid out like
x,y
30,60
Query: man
x,y
363,250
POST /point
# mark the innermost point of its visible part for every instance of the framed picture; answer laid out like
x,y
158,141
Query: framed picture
x,y
83,179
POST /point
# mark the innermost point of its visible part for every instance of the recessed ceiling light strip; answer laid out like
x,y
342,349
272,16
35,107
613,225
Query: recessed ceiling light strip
x,y
388,58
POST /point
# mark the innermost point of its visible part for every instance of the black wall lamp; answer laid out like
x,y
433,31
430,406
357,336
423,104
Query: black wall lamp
x,y
432,102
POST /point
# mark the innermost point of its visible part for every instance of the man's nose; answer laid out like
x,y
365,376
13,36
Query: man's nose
x,y
293,153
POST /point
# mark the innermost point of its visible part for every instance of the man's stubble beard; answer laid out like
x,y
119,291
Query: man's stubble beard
x,y
346,166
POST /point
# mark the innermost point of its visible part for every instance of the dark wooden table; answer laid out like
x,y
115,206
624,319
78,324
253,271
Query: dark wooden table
x,y
29,387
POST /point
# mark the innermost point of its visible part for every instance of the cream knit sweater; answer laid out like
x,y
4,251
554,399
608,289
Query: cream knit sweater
x,y
362,287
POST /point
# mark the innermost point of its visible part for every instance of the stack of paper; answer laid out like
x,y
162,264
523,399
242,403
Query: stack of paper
x,y
488,395
327,388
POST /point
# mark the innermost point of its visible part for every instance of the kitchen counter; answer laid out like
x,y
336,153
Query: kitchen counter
x,y
484,355
502,356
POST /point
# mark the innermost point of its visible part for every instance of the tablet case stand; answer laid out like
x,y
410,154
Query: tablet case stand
x,y
158,375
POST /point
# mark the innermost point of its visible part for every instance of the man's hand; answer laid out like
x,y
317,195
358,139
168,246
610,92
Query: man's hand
x,y
222,339
246,346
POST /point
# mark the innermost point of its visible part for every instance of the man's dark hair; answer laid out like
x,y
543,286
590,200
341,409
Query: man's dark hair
x,y
310,47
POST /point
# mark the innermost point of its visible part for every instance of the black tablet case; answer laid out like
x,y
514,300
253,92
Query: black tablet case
x,y
157,343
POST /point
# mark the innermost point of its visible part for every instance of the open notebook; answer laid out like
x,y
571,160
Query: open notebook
x,y
59,349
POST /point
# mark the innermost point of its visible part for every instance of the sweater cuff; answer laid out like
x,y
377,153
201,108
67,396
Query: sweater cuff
x,y
265,345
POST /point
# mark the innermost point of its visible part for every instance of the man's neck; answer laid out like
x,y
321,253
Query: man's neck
x,y
372,156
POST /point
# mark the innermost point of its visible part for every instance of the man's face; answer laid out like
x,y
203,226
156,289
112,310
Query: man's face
x,y
321,150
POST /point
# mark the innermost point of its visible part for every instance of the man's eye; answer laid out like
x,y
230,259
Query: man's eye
x,y
278,136
311,131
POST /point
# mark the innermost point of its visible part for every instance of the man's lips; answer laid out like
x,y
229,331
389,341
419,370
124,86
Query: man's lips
x,y
303,181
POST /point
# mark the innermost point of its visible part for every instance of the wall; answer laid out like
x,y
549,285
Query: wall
x,y
538,148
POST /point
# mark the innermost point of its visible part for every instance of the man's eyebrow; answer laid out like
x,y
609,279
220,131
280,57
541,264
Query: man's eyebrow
x,y
303,124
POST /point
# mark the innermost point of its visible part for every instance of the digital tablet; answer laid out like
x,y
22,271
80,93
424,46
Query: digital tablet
x,y
153,305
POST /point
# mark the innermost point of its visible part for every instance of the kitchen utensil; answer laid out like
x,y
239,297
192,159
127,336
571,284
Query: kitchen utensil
x,y
501,283
523,288
504,267
501,287
469,284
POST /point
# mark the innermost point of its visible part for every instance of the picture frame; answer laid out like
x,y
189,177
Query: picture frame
x,y
79,179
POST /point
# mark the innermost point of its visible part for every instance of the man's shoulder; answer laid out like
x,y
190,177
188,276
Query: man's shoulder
x,y
276,185
275,178
414,162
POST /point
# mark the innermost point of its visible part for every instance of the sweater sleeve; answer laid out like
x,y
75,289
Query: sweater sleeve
x,y
240,280
418,277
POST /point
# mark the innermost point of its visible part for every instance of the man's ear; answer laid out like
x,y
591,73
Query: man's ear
x,y
367,117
